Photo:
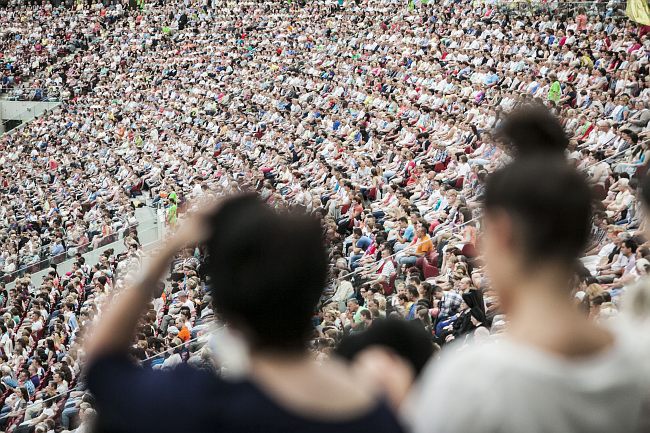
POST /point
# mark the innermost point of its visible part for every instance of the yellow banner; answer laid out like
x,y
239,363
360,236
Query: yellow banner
x,y
639,11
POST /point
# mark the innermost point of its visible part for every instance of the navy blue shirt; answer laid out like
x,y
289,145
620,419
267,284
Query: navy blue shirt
x,y
132,399
364,242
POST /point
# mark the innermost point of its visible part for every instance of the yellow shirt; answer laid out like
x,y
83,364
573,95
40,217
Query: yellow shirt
x,y
424,245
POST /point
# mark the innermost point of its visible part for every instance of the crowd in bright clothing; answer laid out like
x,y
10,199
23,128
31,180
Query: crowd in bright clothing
x,y
382,119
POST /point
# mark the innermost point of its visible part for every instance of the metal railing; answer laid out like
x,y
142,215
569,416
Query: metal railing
x,y
22,92
91,253
31,111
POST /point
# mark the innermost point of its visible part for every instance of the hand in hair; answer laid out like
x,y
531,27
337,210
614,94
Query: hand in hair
x,y
196,228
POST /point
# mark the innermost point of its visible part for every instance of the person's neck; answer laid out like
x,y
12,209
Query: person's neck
x,y
544,317
272,359
267,365
534,302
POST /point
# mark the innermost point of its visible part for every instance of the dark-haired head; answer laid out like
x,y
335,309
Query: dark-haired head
x,y
537,221
549,204
267,270
408,340
629,247
532,130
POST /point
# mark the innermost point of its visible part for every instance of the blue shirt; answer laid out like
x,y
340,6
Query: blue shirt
x,y
72,323
409,233
364,242
216,405
29,385
491,79
56,249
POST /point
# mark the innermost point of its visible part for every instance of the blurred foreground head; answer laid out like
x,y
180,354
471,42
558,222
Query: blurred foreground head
x,y
537,209
531,130
267,271
391,354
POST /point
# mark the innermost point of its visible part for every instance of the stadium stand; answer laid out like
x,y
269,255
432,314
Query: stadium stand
x,y
381,117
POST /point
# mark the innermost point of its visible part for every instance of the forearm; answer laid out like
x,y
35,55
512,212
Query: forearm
x,y
115,331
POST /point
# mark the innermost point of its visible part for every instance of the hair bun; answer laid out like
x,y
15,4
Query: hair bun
x,y
532,130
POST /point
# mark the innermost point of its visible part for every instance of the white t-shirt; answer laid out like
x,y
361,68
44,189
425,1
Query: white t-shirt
x,y
507,387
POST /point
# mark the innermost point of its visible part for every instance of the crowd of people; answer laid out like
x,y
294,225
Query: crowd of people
x,y
383,119
389,105
61,190
43,329
39,47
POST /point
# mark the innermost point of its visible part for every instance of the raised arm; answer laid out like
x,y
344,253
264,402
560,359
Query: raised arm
x,y
117,326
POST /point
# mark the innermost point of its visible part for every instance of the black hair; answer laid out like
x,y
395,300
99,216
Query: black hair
x,y
24,393
412,290
269,290
631,244
532,130
551,205
550,202
407,339
599,155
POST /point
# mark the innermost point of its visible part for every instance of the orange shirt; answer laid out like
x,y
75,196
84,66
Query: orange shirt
x,y
184,334
424,245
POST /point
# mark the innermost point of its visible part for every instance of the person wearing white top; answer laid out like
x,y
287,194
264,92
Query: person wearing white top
x,y
553,370
508,386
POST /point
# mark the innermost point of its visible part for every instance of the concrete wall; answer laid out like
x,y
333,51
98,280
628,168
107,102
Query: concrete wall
x,y
24,110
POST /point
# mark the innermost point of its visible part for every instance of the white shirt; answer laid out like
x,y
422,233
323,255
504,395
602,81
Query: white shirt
x,y
621,262
606,250
7,344
508,387
172,361
464,169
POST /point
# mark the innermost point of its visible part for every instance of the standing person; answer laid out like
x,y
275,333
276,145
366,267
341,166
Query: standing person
x,y
172,210
268,295
553,370
555,90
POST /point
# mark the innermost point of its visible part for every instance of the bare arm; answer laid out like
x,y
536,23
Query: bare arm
x,y
115,331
